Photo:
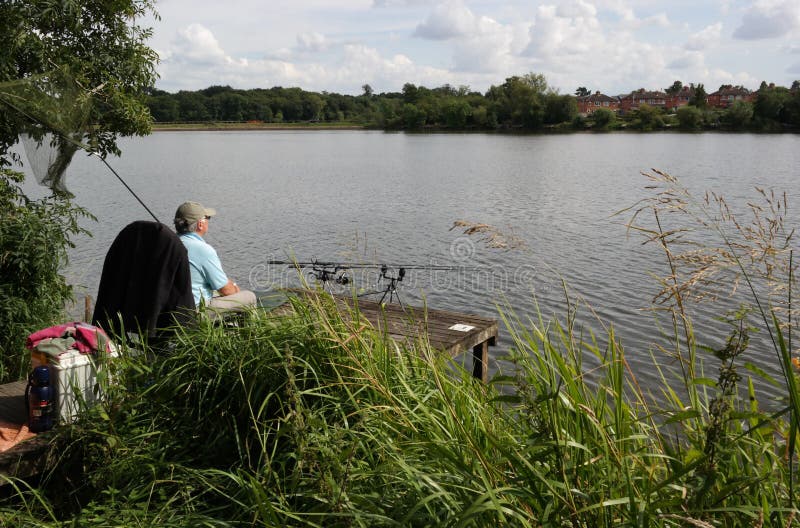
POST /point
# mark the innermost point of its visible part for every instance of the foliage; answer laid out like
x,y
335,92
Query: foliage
x,y
100,46
699,96
739,115
647,118
521,103
674,88
77,70
690,117
34,237
603,118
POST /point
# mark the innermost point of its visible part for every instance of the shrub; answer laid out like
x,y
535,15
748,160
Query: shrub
x,y
690,117
34,237
603,118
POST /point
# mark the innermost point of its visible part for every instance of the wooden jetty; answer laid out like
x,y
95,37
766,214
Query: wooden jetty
x,y
451,333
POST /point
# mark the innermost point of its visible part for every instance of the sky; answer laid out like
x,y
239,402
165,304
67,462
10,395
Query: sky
x,y
611,46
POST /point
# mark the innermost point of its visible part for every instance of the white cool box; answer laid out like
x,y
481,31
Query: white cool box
x,y
74,376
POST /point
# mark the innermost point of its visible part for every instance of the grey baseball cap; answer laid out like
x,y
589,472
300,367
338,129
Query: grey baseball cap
x,y
193,211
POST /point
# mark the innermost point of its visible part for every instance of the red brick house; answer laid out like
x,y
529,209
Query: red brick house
x,y
680,98
640,97
590,103
727,95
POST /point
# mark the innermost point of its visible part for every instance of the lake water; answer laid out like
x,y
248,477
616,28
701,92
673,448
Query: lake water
x,y
393,198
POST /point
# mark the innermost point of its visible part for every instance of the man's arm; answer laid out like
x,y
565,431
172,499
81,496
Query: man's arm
x,y
229,289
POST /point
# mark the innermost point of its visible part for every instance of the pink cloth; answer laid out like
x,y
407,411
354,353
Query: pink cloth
x,y
85,335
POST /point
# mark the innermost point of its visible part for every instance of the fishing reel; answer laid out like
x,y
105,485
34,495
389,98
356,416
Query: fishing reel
x,y
326,274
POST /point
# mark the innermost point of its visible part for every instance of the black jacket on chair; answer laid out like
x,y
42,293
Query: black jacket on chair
x,y
145,281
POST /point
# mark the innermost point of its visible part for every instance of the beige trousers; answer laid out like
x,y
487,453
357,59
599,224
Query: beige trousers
x,y
238,302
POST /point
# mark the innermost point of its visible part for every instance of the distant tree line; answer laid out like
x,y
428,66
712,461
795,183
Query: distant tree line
x,y
521,103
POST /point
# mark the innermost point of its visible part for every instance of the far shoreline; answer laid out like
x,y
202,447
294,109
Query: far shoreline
x,y
223,127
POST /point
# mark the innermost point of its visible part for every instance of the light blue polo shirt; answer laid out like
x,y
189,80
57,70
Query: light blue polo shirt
x,y
204,266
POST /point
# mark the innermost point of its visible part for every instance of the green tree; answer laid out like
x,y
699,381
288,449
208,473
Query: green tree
x,y
559,108
582,91
456,113
100,47
770,104
312,107
410,93
90,54
412,117
519,101
647,117
739,115
603,118
700,97
690,117
676,87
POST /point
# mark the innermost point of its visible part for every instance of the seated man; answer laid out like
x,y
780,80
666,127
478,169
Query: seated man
x,y
191,223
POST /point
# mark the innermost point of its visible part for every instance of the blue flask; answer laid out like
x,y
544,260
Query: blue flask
x,y
40,397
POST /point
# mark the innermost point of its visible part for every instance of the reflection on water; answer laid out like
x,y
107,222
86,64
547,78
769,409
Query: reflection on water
x,y
392,197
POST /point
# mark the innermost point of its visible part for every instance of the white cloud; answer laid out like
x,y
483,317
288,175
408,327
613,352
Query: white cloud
x,y
311,42
794,69
448,20
611,45
706,38
555,33
196,44
687,61
399,3
769,19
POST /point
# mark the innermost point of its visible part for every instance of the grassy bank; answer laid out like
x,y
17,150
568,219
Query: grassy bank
x,y
223,126
311,419
308,420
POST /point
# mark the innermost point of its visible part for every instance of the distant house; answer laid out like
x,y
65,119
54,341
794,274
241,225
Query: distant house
x,y
680,98
588,104
633,100
727,95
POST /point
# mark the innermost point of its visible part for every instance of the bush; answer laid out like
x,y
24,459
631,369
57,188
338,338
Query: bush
x,y
739,115
603,117
690,117
647,117
34,237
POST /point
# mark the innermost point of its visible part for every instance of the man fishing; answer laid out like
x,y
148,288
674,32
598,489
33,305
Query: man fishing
x,y
191,224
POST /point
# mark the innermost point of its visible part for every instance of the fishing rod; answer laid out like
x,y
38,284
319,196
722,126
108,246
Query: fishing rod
x,y
359,265
329,271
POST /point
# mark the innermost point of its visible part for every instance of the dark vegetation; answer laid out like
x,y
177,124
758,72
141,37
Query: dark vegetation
x,y
520,103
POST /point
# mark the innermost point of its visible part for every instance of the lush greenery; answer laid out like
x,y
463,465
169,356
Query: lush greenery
x,y
34,237
314,419
520,103
76,71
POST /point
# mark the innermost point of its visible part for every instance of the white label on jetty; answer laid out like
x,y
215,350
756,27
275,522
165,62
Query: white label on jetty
x,y
461,327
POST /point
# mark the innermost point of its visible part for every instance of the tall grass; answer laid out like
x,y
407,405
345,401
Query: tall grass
x,y
312,418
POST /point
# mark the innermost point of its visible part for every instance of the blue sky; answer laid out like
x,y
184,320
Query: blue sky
x,y
614,46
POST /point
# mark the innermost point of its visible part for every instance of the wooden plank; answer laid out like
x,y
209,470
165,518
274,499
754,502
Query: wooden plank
x,y
480,362
12,402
